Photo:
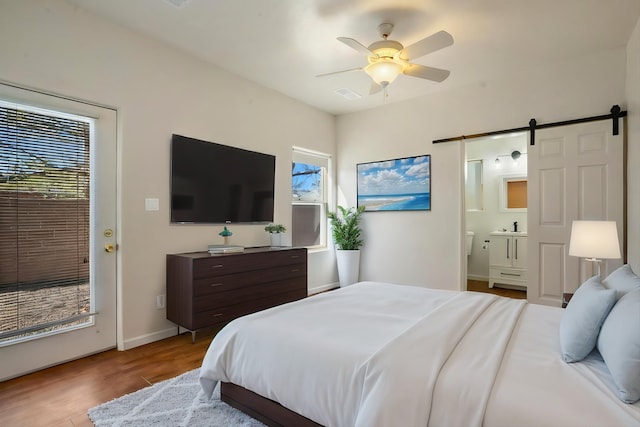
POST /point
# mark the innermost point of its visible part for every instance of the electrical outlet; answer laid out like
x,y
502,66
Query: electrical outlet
x,y
160,301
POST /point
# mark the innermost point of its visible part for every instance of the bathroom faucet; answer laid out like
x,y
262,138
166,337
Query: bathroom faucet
x,y
515,226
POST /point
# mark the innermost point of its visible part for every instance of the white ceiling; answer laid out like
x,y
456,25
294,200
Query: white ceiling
x,y
284,44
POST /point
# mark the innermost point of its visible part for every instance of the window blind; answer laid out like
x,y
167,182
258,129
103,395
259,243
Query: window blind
x,y
44,220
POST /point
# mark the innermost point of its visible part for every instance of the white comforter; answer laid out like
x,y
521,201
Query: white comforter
x,y
376,354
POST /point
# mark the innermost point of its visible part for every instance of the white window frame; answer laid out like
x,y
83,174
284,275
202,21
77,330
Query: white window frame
x,y
304,155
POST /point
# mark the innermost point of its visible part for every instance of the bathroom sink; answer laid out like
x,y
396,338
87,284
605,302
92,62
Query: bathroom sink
x,y
508,233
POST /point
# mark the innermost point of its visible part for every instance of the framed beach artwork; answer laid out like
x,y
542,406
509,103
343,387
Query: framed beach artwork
x,y
395,185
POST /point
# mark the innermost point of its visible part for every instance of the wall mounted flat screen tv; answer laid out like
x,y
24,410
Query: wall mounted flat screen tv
x,y
214,183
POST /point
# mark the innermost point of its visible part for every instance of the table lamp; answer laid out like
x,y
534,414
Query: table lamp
x,y
594,240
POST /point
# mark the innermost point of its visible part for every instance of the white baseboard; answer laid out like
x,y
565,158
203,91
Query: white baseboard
x,y
149,338
318,289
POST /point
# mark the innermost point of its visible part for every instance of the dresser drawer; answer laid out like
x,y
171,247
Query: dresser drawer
x,y
227,313
218,265
249,293
217,284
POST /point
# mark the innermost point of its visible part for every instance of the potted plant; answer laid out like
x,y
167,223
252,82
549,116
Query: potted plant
x,y
225,233
275,231
347,236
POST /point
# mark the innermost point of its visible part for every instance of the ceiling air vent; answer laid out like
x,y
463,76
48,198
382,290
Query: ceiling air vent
x,y
348,93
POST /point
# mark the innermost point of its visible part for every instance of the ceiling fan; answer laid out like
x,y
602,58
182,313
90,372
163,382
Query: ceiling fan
x,y
389,58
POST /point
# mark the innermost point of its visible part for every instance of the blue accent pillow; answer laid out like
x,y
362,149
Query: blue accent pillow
x,y
623,280
619,345
582,319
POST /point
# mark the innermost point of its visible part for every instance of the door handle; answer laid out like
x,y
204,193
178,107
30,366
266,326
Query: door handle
x,y
109,248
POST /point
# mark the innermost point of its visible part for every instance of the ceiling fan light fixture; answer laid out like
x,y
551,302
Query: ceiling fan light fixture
x,y
386,48
384,71
389,58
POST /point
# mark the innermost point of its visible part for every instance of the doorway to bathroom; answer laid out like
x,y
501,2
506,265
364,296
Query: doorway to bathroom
x,y
496,214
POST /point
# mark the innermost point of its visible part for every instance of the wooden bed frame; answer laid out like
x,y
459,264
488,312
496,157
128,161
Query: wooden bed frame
x,y
262,409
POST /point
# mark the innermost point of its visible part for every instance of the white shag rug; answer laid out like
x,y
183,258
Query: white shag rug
x,y
179,401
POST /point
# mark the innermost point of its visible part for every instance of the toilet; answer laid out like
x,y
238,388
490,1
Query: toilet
x,y
470,235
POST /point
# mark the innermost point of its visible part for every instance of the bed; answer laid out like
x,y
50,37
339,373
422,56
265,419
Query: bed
x,y
379,354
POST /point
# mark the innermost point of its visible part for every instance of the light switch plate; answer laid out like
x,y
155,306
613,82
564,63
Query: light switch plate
x,y
151,204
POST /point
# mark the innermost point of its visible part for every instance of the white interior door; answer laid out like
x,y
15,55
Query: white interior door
x,y
575,173
97,331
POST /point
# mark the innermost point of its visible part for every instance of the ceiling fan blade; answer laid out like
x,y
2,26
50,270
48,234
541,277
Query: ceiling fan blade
x,y
429,73
375,88
355,44
434,42
340,72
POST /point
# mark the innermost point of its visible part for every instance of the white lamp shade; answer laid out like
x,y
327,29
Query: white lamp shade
x,y
594,239
384,71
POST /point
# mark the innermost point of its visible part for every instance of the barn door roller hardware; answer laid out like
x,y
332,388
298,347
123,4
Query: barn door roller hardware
x,y
615,114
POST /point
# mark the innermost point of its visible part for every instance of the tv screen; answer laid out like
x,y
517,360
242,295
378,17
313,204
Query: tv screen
x,y
215,183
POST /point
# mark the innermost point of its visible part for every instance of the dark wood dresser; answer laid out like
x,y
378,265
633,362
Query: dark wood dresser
x,y
205,290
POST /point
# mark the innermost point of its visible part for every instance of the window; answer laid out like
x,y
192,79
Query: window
x,y
44,218
309,172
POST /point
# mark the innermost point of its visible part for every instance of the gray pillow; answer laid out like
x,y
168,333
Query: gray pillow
x,y
619,345
582,319
623,280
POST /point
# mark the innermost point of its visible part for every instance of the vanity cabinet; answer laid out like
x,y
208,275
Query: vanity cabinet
x,y
508,259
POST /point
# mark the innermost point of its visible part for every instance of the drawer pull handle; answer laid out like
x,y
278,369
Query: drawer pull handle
x,y
294,270
216,315
217,266
510,274
213,285
295,256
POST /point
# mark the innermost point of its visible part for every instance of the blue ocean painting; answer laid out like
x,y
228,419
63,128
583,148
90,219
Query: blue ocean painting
x,y
395,185
396,202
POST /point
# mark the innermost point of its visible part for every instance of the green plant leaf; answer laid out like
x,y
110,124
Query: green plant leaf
x,y
345,228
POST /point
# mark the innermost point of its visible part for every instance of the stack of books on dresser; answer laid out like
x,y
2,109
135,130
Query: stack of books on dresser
x,y
225,249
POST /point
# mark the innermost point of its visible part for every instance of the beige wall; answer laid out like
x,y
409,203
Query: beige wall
x,y
424,248
54,47
633,149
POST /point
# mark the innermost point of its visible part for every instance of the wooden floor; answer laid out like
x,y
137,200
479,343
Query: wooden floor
x,y
480,286
61,395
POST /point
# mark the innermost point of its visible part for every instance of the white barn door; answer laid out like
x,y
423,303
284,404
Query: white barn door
x,y
575,173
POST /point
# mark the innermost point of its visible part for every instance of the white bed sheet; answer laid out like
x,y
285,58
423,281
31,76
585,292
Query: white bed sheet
x,y
320,346
536,388
323,364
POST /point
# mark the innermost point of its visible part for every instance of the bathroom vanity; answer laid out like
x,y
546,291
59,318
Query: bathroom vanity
x,y
508,258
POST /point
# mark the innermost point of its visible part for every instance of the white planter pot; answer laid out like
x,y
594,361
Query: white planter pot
x,y
348,266
276,239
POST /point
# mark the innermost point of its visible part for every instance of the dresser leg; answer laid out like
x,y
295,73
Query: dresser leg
x,y
193,337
